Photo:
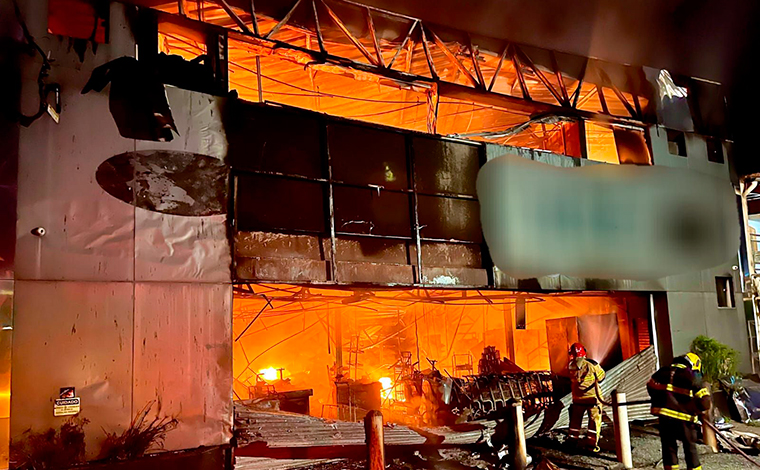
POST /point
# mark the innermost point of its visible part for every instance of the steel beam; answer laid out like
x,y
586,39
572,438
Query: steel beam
x,y
474,58
541,77
403,44
254,21
373,33
498,68
560,81
518,70
320,39
283,21
350,36
453,59
577,93
228,9
428,57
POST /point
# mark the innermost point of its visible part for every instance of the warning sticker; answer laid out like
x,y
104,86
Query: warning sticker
x,y
67,406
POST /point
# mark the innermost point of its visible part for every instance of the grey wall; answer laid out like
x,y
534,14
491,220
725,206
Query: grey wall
x,y
692,297
126,305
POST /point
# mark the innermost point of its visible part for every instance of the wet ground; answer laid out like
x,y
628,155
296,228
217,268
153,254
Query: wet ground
x,y
645,443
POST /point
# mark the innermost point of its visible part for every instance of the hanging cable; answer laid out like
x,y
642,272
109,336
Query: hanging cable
x,y
44,88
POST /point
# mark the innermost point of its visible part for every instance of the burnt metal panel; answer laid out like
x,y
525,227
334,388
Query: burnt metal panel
x,y
370,211
375,273
281,245
450,219
452,277
183,358
279,269
176,248
271,203
362,155
443,166
452,254
262,139
376,250
72,334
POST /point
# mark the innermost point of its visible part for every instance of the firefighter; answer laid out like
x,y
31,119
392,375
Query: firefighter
x,y
679,397
585,376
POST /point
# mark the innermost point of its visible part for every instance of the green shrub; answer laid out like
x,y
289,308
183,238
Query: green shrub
x,y
718,360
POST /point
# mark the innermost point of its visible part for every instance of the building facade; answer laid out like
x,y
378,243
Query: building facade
x,y
323,146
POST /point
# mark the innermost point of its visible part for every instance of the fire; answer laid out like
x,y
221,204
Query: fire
x,y
387,384
269,374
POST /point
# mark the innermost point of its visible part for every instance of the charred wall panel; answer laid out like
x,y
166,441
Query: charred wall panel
x,y
270,203
445,167
72,334
170,247
372,212
382,162
183,358
262,139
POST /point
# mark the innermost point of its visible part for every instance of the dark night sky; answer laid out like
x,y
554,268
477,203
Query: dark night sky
x,y
716,40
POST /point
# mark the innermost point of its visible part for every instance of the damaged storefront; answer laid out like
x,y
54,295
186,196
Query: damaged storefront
x,y
320,208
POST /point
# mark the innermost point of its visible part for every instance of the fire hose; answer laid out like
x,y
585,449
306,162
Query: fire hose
x,y
731,444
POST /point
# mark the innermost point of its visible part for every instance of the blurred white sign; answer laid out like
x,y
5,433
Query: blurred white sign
x,y
604,221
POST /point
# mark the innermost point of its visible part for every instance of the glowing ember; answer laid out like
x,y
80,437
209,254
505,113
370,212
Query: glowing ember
x,y
270,374
387,384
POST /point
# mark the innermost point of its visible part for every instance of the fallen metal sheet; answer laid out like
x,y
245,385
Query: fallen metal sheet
x,y
183,359
264,463
289,430
72,334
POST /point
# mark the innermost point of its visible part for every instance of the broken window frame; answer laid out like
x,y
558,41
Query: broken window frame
x,y
329,184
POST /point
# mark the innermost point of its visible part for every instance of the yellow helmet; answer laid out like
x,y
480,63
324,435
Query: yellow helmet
x,y
694,361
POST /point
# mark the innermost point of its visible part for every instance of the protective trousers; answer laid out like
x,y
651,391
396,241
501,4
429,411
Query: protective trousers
x,y
672,431
594,423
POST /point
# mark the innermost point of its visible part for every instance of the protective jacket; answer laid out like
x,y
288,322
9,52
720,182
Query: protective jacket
x,y
678,393
585,376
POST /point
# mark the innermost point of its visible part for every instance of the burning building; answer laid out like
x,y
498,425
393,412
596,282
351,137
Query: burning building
x,y
318,205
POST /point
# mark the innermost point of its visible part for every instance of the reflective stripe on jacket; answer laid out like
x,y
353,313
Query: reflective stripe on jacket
x,y
678,393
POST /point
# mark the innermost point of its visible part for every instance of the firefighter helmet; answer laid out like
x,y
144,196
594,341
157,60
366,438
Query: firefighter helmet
x,y
694,362
577,350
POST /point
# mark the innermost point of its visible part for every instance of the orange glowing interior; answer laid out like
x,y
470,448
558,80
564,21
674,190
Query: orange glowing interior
x,y
312,334
292,78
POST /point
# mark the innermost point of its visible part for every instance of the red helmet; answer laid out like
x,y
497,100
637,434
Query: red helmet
x,y
577,350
